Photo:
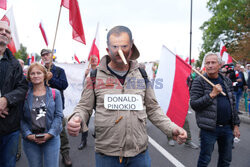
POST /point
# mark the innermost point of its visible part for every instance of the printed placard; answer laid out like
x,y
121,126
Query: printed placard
x,y
123,102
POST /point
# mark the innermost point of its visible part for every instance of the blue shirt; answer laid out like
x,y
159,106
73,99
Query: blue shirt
x,y
224,112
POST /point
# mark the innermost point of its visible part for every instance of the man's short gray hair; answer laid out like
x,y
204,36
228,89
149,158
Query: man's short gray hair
x,y
212,53
118,30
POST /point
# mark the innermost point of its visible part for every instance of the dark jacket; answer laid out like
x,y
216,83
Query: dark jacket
x,y
59,80
205,107
14,89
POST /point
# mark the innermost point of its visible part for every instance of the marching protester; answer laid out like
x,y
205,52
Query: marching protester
x,y
41,121
216,115
57,79
13,87
121,136
239,84
93,62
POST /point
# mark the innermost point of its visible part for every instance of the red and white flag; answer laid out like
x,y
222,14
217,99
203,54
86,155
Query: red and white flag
x,y
75,19
3,4
76,58
43,34
14,45
95,46
224,55
173,97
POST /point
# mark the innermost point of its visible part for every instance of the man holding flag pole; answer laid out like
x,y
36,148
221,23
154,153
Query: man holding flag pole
x,y
215,111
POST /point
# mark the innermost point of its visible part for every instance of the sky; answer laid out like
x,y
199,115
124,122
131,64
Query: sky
x,y
153,24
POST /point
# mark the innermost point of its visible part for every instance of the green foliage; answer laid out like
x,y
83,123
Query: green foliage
x,y
230,23
22,54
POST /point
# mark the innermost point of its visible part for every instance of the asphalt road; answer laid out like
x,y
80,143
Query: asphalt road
x,y
186,156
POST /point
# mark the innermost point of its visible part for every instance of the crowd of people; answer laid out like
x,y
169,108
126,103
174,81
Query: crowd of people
x,y
32,105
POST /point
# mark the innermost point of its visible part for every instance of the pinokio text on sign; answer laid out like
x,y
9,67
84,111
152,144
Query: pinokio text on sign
x,y
123,102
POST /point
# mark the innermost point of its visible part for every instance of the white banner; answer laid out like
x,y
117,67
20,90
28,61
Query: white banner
x,y
123,102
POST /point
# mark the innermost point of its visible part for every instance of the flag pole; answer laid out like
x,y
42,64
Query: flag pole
x,y
190,47
53,47
202,76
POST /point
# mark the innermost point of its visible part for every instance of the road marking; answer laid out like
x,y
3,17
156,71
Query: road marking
x,y
166,154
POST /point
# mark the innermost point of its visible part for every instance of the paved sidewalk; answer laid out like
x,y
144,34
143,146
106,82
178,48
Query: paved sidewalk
x,y
244,117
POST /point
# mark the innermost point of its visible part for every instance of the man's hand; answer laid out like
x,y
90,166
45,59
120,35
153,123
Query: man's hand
x,y
179,134
3,103
74,126
49,75
239,80
217,89
236,131
4,112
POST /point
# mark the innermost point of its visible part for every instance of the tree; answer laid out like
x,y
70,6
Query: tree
x,y
22,54
231,24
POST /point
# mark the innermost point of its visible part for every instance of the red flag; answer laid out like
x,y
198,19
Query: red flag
x,y
187,60
76,58
174,90
32,58
3,4
75,19
95,46
14,45
43,33
224,55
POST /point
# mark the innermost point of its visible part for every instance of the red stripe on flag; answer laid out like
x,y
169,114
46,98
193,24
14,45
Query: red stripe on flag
x,y
179,102
223,49
75,20
65,3
76,58
94,51
43,34
3,4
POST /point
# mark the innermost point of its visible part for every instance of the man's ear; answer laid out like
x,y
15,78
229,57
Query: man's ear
x,y
107,49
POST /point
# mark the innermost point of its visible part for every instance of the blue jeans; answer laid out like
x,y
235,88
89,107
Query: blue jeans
x,y
8,149
140,160
238,95
46,154
224,137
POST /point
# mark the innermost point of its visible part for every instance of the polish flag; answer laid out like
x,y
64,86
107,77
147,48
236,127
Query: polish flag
x,y
94,51
76,58
3,4
75,20
32,58
173,97
43,34
14,45
224,55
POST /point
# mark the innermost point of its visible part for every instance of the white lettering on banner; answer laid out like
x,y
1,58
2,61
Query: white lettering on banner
x,y
123,102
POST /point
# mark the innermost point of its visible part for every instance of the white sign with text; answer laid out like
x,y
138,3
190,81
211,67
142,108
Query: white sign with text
x,y
123,102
